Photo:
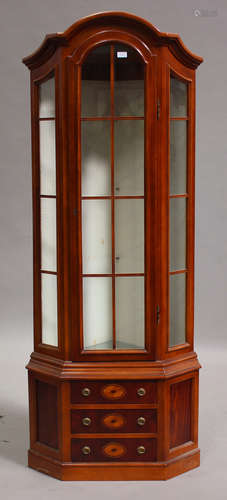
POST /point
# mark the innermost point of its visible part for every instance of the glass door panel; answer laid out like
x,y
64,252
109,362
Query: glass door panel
x,y
47,157
97,313
96,231
128,82
178,97
48,236
95,99
129,157
129,236
177,309
130,312
96,158
47,99
178,202
112,178
177,234
49,309
178,157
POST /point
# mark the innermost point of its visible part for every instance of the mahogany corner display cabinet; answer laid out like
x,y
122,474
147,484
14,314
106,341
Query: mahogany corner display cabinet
x,y
113,379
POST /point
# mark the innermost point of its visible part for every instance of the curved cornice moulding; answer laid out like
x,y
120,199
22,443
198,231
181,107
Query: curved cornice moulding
x,y
120,19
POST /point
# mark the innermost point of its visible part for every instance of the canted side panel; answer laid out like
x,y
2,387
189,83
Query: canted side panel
x,y
47,414
180,413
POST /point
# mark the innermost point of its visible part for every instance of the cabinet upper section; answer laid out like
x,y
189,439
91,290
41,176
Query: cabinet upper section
x,y
116,21
113,154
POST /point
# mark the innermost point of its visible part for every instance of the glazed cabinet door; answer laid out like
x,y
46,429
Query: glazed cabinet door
x,y
46,209
177,211
113,162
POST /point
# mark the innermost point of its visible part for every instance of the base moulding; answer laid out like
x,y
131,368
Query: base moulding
x,y
114,471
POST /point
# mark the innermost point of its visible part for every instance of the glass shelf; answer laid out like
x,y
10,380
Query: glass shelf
x,y
109,345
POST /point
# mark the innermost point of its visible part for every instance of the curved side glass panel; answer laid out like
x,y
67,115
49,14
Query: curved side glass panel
x,y
178,211
47,147
112,185
177,308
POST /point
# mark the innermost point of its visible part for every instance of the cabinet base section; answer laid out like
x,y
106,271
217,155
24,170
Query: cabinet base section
x,y
114,472
113,429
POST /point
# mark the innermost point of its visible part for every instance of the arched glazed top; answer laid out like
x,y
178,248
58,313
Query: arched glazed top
x,y
114,19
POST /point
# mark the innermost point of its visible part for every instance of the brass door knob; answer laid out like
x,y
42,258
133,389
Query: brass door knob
x,y
141,421
86,450
86,391
141,391
86,421
141,450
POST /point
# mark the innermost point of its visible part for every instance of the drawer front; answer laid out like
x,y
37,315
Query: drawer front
x,y
98,421
120,391
113,450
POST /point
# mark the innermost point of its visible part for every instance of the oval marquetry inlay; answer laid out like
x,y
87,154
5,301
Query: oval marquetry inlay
x,y
113,420
113,391
114,450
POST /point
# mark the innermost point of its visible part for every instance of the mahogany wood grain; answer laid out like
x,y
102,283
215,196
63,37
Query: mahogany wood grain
x,y
42,364
116,420
109,275
118,19
191,415
58,374
98,392
114,471
149,215
123,450
64,422
112,140
45,119
119,406
180,413
47,414
115,118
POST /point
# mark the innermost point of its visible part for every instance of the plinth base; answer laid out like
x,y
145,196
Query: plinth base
x,y
114,472
120,422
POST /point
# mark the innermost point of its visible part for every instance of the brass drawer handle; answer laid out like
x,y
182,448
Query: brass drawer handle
x,y
141,421
141,450
86,450
141,391
86,421
86,391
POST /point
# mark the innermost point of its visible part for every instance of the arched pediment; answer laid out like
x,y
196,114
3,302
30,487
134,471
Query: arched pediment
x,y
116,20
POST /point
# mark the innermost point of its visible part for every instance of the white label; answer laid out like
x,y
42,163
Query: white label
x,y
122,54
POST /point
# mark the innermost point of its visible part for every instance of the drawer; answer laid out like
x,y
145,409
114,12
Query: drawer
x,y
113,450
98,421
120,391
